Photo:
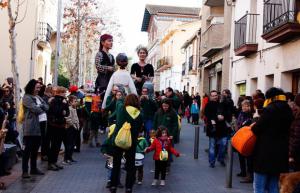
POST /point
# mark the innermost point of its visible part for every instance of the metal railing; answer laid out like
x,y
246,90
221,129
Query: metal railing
x,y
45,31
278,13
213,37
245,30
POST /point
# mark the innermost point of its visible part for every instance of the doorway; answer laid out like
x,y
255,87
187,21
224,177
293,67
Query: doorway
x,y
296,83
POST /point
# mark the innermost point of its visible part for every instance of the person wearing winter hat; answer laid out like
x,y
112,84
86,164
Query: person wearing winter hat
x,y
121,78
271,152
104,62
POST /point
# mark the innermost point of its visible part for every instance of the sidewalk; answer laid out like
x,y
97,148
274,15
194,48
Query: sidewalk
x,y
89,175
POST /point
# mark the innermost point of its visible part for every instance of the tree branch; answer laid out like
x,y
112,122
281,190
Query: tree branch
x,y
24,13
17,11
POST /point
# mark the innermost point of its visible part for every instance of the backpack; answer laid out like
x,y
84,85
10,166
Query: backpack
x,y
123,138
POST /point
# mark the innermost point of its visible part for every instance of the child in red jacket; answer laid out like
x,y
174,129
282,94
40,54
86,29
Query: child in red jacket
x,y
162,146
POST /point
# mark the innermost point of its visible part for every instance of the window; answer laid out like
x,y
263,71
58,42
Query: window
x,y
296,83
269,81
253,85
242,89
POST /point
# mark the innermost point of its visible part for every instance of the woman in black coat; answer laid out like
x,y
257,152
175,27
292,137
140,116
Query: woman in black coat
x,y
271,152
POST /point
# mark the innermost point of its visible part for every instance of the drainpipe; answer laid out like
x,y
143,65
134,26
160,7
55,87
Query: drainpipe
x,y
31,60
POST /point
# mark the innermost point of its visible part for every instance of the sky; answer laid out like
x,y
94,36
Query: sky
x,y
130,14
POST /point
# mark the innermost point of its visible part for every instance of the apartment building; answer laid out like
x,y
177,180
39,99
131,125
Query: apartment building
x,y
172,56
266,46
215,45
35,37
157,18
190,79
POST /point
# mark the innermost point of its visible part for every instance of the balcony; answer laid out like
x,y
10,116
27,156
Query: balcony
x,y
280,21
212,40
164,63
214,3
44,34
245,41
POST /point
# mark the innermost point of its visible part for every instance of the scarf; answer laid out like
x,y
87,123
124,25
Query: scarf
x,y
275,98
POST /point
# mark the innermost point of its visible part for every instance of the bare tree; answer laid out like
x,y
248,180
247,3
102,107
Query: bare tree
x,y
14,18
84,22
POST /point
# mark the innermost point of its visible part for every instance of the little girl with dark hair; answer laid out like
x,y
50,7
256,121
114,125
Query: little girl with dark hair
x,y
162,146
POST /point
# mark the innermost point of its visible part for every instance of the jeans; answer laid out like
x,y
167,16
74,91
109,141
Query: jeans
x,y
45,139
78,139
32,144
265,183
56,137
195,118
222,144
246,165
160,169
140,173
69,141
148,126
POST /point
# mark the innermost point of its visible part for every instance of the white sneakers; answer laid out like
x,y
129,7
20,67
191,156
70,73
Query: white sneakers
x,y
155,182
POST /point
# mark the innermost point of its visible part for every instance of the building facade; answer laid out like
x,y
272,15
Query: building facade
x,y
172,55
35,37
266,46
157,19
215,45
190,79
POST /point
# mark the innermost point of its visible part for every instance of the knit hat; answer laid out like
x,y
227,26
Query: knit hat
x,y
73,89
105,37
297,100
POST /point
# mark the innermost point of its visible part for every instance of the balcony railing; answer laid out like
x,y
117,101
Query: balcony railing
x,y
280,20
245,41
164,63
212,40
45,31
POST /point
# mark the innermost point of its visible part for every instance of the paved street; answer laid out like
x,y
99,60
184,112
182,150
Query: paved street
x,y
89,175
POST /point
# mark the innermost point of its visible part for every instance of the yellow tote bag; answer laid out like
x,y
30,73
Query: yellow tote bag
x,y
123,138
21,113
179,122
111,130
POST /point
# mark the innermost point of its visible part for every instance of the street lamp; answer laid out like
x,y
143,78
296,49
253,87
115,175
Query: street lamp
x,y
59,13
